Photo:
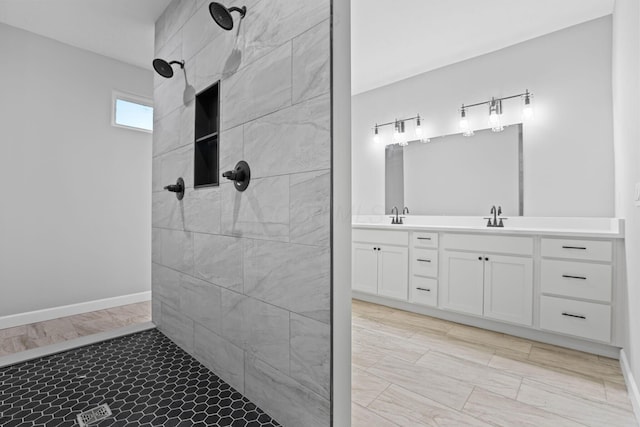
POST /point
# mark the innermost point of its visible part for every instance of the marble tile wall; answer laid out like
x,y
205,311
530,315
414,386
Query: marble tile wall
x,y
242,280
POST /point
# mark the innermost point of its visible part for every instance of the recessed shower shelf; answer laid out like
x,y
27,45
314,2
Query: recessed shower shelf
x,y
206,163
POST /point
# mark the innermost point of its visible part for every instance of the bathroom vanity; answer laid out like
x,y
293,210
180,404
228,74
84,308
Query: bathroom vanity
x,y
556,280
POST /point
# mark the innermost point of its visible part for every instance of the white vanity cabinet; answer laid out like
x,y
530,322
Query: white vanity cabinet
x,y
487,284
380,262
538,285
577,284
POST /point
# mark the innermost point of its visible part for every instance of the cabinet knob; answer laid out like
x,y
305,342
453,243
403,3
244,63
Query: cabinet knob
x,y
479,258
486,259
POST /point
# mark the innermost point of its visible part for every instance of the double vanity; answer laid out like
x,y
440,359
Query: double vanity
x,y
555,280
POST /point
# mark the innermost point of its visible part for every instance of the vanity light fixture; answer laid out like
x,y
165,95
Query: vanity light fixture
x,y
399,135
495,112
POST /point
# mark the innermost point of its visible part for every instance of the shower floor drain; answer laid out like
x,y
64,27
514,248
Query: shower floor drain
x,y
94,415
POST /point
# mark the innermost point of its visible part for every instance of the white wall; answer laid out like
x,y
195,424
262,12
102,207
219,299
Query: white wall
x,y
626,107
568,148
75,209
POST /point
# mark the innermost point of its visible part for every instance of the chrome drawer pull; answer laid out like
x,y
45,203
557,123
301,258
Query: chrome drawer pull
x,y
567,276
424,260
424,289
582,248
577,316
424,238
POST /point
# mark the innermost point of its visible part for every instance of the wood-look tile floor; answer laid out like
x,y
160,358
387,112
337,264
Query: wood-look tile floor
x,y
413,370
13,340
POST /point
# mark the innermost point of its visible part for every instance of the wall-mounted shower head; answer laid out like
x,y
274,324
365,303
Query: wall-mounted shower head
x,y
164,68
222,15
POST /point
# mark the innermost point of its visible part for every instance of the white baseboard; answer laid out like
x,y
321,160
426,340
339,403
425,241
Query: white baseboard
x,y
70,310
632,386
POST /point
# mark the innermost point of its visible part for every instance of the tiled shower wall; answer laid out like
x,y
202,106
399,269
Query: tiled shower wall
x,y
242,281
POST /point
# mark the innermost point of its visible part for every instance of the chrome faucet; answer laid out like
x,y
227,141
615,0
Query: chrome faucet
x,y
496,216
396,219
405,211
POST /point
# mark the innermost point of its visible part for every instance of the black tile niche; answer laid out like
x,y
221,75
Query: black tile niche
x,y
207,125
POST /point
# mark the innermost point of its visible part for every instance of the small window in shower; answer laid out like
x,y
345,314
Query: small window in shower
x,y
132,112
206,137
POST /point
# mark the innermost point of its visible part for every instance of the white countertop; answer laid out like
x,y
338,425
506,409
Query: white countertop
x,y
556,226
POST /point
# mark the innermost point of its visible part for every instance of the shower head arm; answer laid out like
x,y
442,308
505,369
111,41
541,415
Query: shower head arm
x,y
242,10
181,63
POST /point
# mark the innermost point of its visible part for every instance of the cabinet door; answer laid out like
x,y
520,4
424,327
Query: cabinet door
x,y
393,272
508,293
462,282
365,268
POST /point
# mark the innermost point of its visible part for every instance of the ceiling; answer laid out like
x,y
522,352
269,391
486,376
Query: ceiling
x,y
391,41
120,29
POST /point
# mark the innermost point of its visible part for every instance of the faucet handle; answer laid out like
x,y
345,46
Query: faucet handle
x,y
488,218
393,219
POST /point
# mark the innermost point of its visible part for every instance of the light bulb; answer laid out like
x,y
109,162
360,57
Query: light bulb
x,y
396,133
464,123
399,134
495,111
418,127
376,135
527,106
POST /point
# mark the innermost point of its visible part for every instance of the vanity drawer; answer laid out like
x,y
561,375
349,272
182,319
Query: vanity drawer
x,y
579,318
577,279
381,237
424,262
591,250
424,240
481,243
424,291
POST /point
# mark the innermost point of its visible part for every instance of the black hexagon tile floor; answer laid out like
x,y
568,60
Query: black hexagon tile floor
x,y
145,379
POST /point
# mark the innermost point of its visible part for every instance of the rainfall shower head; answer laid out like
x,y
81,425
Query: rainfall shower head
x,y
222,15
164,68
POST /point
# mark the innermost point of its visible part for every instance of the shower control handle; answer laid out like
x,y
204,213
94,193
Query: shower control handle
x,y
240,175
177,188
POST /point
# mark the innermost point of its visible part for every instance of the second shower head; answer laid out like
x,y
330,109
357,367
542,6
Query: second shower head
x,y
164,68
222,15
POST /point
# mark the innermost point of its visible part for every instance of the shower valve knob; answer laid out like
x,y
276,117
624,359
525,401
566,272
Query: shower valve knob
x,y
177,188
240,176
